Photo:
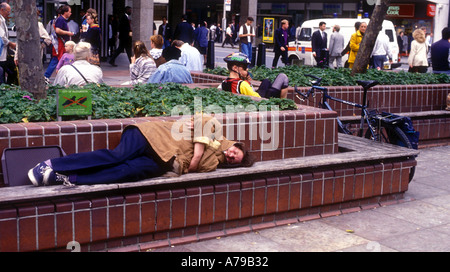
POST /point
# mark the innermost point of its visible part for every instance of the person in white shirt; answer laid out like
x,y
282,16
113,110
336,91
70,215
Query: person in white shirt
x,y
380,51
246,36
81,72
5,11
190,56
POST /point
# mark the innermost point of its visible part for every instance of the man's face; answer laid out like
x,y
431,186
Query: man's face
x,y
322,27
234,155
363,27
67,14
5,12
249,22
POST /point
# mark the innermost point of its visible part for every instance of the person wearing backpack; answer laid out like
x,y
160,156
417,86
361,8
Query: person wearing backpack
x,y
239,78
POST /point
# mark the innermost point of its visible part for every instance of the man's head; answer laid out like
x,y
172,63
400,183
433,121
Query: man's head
x,y
237,156
284,24
171,53
445,33
249,20
128,10
237,64
363,27
66,11
5,10
337,28
82,51
322,26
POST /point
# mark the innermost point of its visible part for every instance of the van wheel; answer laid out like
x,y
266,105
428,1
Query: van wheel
x,y
293,59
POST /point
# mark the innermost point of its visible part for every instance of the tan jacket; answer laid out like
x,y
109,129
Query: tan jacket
x,y
168,139
418,54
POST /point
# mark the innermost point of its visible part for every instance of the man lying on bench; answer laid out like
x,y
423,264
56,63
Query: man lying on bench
x,y
148,150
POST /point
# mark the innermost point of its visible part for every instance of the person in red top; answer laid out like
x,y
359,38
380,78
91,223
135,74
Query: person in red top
x,y
63,35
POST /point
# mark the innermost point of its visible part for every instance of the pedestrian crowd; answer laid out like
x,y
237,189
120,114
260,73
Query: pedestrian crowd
x,y
175,51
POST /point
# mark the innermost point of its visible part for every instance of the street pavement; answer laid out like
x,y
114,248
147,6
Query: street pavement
x,y
420,223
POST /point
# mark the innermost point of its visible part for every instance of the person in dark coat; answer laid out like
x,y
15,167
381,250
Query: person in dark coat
x,y
319,42
184,31
124,37
440,53
281,44
165,30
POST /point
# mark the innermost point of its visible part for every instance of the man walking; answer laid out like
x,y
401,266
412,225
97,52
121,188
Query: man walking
x,y
336,47
184,31
125,37
281,44
319,43
247,36
63,35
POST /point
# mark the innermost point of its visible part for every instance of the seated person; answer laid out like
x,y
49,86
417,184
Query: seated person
x,y
142,65
148,150
239,79
190,56
80,72
173,70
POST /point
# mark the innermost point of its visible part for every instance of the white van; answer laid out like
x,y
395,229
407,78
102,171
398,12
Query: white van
x,y
300,50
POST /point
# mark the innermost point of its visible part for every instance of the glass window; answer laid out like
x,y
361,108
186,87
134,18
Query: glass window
x,y
305,34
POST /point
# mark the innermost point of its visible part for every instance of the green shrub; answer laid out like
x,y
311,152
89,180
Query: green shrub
x,y
341,76
109,102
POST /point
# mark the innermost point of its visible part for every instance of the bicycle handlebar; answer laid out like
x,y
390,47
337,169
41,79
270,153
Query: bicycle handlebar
x,y
318,79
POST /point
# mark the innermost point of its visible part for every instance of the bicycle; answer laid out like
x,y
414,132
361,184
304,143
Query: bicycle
x,y
382,127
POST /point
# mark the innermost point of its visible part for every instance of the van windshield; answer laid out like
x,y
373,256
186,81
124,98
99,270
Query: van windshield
x,y
390,34
305,34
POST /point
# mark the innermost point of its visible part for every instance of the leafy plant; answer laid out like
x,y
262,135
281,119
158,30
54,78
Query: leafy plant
x,y
341,76
109,102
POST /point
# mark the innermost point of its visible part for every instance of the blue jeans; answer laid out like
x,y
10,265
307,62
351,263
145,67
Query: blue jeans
x,y
51,66
378,61
131,160
246,48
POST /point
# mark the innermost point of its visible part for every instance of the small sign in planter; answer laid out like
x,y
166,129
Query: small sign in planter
x,y
73,102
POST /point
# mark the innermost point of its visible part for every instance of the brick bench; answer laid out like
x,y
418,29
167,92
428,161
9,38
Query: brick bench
x,y
312,171
159,212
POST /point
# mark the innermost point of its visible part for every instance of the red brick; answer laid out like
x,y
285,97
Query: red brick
x,y
99,219
294,192
116,216
178,208
148,206
192,206
8,227
163,210
207,204
272,195
132,214
234,201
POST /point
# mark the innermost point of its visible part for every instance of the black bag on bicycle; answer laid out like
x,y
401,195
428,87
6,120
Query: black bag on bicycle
x,y
413,135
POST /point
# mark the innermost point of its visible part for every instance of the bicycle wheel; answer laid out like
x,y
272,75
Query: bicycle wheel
x,y
393,135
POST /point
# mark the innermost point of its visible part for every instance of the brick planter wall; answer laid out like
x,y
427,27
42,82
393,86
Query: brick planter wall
x,y
154,217
395,99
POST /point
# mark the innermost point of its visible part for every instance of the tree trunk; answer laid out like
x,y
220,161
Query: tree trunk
x,y
368,41
31,74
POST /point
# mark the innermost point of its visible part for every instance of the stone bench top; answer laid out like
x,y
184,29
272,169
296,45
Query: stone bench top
x,y
355,149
